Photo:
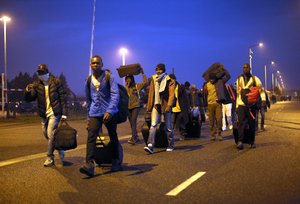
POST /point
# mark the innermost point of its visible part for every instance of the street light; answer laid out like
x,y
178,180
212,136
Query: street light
x,y
5,19
251,52
123,52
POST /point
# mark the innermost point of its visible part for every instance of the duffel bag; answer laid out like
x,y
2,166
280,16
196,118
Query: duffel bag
x,y
65,137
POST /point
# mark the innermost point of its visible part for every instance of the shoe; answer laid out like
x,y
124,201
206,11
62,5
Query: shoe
x,y
240,145
220,138
230,127
223,128
253,146
116,165
88,169
170,149
212,138
61,154
133,141
149,149
49,162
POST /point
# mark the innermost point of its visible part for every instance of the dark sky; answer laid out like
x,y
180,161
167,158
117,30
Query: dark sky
x,y
187,35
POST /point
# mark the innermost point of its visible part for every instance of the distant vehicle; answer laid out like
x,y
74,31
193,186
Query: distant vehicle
x,y
25,107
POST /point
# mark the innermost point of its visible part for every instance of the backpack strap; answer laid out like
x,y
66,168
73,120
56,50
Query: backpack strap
x,y
89,79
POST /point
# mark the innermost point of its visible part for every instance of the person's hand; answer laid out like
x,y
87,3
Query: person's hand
x,y
29,87
107,116
63,118
168,108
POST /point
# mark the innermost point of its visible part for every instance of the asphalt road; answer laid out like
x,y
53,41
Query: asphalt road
x,y
197,171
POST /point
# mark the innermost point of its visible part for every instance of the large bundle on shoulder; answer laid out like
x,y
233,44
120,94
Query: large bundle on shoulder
x,y
218,75
130,69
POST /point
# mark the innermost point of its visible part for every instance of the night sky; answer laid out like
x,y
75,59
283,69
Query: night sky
x,y
187,35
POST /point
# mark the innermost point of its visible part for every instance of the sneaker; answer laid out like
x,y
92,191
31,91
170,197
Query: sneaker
x,y
253,146
240,145
220,138
88,169
223,128
133,141
230,127
170,149
149,149
61,154
49,162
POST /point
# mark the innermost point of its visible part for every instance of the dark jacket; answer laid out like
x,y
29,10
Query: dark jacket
x,y
183,103
57,96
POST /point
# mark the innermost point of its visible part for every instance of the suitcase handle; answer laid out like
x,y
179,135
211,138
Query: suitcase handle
x,y
63,122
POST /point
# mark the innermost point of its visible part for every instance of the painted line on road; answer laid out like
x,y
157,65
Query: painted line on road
x,y
41,155
185,184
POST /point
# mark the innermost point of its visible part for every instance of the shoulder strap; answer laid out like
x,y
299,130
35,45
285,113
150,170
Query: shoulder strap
x,y
107,78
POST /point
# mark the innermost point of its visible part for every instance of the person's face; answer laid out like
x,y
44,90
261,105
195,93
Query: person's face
x,y
159,71
246,69
128,80
96,64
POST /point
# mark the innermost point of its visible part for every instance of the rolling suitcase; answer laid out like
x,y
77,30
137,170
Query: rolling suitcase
x,y
161,139
103,151
235,133
193,129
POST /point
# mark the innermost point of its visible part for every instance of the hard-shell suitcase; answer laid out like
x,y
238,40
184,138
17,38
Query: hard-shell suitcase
x,y
130,69
193,129
103,151
65,137
235,133
161,139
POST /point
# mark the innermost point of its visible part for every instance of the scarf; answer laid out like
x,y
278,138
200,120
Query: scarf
x,y
160,85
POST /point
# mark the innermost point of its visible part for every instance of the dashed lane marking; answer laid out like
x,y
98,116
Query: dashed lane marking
x,y
185,184
41,155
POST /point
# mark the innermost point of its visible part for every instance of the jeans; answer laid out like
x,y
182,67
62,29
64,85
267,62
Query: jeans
x,y
132,117
155,119
49,126
94,126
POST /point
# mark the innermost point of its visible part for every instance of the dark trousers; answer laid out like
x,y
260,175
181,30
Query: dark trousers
x,y
94,125
245,119
178,123
132,117
262,118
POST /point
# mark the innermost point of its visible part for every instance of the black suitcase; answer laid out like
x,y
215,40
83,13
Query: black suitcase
x,y
130,69
65,137
161,140
103,151
193,129
235,133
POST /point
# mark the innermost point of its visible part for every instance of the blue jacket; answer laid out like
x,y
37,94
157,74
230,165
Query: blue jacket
x,y
104,100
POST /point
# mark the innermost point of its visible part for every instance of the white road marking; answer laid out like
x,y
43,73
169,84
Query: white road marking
x,y
185,184
41,155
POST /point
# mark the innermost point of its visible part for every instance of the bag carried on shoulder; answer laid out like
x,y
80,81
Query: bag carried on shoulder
x,y
250,96
65,137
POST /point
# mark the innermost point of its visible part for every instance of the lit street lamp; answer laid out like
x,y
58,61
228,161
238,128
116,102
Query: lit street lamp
x,y
123,52
5,19
251,52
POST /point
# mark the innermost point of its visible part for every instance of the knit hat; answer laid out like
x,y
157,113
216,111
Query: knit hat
x,y
42,69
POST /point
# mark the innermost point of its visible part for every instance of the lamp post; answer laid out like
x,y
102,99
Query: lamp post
x,y
123,52
5,19
251,52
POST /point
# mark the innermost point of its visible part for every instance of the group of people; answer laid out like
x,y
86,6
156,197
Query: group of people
x,y
169,101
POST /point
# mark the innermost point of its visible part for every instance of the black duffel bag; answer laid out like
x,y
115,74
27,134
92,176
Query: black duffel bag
x,y
65,137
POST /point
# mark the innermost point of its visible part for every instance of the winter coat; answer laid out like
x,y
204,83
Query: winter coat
x,y
57,96
167,96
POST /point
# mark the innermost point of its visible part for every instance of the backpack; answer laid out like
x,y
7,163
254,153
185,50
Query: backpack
x,y
123,101
250,96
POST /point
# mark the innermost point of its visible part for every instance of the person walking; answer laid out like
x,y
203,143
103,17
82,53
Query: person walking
x,y
134,104
102,95
160,103
51,98
246,113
